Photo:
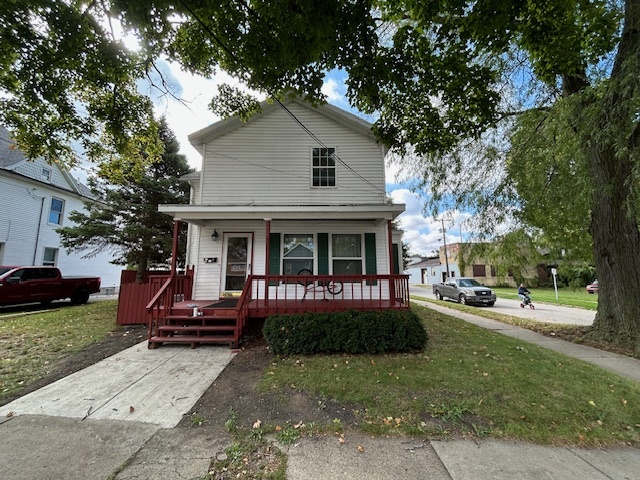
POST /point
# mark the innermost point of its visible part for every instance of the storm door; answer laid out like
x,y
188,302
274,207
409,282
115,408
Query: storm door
x,y
237,261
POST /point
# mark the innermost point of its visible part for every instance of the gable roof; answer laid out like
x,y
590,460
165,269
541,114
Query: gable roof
x,y
336,114
429,262
10,154
11,157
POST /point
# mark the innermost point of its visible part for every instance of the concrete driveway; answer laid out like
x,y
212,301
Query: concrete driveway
x,y
543,312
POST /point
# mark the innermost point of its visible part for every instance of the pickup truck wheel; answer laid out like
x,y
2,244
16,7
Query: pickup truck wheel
x,y
463,300
80,297
438,296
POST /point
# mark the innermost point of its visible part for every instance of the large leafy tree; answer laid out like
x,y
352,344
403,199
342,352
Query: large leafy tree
x,y
125,217
555,81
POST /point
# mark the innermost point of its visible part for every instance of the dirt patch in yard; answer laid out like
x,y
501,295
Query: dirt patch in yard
x,y
235,391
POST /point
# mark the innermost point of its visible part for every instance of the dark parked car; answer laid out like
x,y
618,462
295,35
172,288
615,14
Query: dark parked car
x,y
593,287
43,284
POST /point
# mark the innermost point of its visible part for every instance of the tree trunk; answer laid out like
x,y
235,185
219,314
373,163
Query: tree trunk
x,y
614,214
143,262
616,247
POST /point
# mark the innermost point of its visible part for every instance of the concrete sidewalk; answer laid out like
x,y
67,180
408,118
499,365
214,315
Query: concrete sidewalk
x,y
367,458
137,385
115,421
622,365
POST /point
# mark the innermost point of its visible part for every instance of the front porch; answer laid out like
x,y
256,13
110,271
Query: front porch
x,y
174,317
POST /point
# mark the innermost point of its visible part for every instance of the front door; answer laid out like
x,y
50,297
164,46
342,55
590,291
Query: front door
x,y
237,261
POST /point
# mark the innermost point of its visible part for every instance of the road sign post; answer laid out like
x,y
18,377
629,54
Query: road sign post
x,y
554,272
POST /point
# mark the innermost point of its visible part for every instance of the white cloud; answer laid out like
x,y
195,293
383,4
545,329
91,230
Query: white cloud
x,y
424,234
334,90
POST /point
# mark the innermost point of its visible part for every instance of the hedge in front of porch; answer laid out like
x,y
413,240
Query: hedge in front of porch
x,y
353,332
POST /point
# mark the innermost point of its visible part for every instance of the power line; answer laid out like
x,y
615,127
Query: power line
x,y
282,105
246,162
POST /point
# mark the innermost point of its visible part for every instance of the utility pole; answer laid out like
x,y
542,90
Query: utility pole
x,y
444,239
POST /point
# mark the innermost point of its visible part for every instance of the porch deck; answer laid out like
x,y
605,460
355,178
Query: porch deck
x,y
173,319
263,308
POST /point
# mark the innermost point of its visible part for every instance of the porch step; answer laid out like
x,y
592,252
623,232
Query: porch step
x,y
209,312
194,340
196,328
205,316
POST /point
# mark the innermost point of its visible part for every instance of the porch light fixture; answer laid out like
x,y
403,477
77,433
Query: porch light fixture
x,y
214,235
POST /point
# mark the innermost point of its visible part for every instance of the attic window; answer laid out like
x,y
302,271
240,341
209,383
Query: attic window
x,y
324,167
46,174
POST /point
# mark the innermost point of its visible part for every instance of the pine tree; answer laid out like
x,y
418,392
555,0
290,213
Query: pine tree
x,y
125,217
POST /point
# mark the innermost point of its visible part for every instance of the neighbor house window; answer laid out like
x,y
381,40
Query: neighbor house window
x,y
50,257
297,254
46,174
346,252
324,167
56,211
479,270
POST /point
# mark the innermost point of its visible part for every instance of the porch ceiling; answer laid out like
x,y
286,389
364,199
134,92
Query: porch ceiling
x,y
196,213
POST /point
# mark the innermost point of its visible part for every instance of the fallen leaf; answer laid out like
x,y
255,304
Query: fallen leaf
x,y
9,414
131,409
257,424
361,449
592,403
341,440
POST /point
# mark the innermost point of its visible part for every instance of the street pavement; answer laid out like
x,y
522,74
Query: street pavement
x,y
543,312
115,421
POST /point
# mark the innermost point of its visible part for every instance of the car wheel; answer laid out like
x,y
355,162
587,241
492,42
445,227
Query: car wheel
x,y
80,297
463,300
438,295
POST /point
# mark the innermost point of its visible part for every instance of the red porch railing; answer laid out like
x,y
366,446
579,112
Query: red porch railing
x,y
165,291
264,295
271,294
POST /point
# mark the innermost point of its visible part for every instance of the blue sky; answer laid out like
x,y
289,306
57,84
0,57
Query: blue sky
x,y
191,114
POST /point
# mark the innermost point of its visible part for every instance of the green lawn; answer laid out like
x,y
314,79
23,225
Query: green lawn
x,y
475,382
566,296
31,343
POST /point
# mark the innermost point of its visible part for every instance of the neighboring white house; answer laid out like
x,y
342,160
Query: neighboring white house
x,y
292,189
36,198
426,271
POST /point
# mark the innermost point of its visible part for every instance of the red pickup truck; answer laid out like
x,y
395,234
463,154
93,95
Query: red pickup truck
x,y
44,285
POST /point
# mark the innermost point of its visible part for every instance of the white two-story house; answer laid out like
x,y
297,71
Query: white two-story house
x,y
37,198
294,191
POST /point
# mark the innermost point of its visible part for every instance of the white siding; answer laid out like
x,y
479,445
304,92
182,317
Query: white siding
x,y
209,275
269,162
26,232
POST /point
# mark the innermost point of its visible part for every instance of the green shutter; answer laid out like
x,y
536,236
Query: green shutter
x,y
274,254
396,267
323,254
371,267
